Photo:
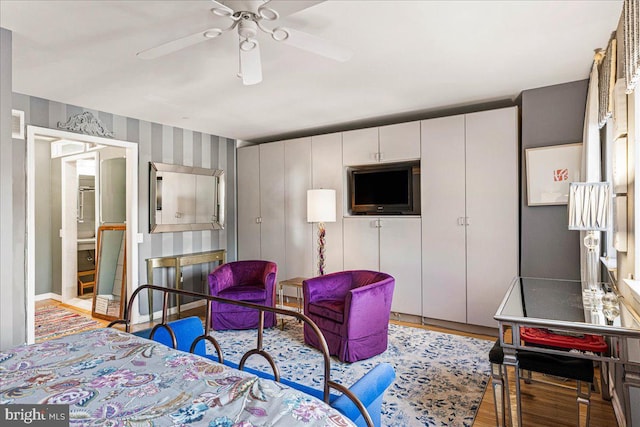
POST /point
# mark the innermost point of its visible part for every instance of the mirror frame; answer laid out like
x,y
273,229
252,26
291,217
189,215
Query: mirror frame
x,y
218,224
96,286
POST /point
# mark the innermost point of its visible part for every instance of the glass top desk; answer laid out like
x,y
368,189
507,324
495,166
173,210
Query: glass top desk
x,y
564,307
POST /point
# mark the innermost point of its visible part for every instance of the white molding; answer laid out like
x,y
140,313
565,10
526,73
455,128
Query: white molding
x,y
48,295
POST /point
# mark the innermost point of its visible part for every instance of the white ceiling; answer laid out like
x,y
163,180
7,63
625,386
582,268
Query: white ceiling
x,y
408,57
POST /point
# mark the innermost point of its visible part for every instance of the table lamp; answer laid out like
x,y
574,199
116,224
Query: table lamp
x,y
589,211
321,208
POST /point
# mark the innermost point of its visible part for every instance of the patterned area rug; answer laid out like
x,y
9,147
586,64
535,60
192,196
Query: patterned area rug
x,y
440,378
54,321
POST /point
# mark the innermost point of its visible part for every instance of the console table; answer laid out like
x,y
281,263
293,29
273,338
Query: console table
x,y
177,262
558,306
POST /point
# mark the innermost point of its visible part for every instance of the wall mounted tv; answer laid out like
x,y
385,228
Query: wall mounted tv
x,y
389,189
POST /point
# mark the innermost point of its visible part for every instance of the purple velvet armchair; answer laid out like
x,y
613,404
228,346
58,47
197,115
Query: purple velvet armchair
x,y
352,309
251,281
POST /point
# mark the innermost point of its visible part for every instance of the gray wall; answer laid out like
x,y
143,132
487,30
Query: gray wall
x,y
157,143
551,115
12,212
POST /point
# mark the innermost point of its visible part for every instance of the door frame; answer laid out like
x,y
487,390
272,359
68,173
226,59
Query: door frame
x,y
132,236
69,214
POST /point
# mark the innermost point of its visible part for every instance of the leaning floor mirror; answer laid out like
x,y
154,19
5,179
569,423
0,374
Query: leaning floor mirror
x,y
109,297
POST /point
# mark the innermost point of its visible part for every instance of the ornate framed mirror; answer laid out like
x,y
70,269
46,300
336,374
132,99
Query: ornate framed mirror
x,y
185,198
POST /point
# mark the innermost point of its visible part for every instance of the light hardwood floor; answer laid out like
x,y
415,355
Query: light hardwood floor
x,y
543,405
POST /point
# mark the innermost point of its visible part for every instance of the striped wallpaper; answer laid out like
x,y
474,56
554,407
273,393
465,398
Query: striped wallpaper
x,y
157,143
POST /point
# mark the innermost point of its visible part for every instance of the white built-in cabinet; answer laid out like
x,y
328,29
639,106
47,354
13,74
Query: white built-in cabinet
x,y
261,207
392,143
469,191
298,236
453,262
392,245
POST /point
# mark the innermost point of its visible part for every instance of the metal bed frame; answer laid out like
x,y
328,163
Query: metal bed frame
x,y
328,384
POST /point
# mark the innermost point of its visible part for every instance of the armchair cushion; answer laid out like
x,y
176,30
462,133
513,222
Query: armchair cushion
x,y
245,293
329,309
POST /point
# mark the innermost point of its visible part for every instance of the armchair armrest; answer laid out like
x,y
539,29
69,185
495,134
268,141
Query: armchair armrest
x,y
368,307
220,279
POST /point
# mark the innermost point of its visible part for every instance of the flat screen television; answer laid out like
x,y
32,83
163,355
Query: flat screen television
x,y
390,189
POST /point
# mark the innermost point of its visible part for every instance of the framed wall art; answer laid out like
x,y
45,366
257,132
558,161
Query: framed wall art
x,y
549,172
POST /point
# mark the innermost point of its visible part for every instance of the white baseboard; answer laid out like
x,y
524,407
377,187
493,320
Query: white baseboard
x,y
49,295
157,315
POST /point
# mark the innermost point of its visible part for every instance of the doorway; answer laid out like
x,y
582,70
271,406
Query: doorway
x,y
39,267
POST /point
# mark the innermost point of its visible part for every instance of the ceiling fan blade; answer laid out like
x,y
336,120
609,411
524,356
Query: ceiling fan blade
x,y
174,45
217,5
314,44
250,66
289,7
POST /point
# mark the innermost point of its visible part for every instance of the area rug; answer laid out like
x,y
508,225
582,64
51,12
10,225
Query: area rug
x,y
440,378
54,321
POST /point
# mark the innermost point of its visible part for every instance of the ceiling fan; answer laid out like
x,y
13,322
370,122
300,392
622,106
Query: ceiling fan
x,y
248,17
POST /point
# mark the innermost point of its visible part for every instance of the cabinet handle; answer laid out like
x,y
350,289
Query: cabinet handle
x,y
380,156
466,220
460,220
376,157
258,220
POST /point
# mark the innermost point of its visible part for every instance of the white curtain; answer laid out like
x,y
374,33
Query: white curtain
x,y
591,149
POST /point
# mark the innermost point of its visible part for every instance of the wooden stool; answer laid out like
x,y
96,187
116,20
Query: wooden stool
x,y
84,284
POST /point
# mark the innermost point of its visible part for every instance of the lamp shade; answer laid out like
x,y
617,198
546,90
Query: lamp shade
x,y
589,206
321,205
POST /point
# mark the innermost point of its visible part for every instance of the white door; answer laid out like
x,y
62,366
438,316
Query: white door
x,y
298,244
249,203
329,173
400,142
360,147
272,227
400,256
443,210
492,208
361,243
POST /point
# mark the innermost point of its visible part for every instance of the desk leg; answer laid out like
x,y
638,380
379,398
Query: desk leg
x,y
281,299
149,291
178,284
511,360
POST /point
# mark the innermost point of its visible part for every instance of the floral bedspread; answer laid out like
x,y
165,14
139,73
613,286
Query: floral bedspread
x,y
112,378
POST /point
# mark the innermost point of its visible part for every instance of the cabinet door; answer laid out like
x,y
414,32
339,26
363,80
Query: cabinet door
x,y
361,244
400,142
297,180
272,228
327,173
400,250
249,203
492,209
442,188
360,147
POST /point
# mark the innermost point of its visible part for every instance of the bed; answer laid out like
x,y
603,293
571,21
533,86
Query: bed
x,y
109,376
113,377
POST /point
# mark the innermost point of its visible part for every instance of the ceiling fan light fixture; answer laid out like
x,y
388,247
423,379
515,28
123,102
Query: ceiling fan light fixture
x,y
247,28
